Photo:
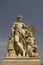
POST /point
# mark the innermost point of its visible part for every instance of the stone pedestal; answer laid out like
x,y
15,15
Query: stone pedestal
x,y
21,61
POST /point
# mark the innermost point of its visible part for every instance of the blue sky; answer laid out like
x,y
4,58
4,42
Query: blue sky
x,y
32,12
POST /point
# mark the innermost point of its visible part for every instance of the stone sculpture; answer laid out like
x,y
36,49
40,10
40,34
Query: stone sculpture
x,y
22,48
21,41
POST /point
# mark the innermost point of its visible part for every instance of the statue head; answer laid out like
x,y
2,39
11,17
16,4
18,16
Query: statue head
x,y
19,18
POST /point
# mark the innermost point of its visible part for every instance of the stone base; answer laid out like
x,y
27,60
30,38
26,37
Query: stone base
x,y
21,61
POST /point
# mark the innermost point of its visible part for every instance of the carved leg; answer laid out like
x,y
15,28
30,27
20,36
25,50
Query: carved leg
x,y
21,47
